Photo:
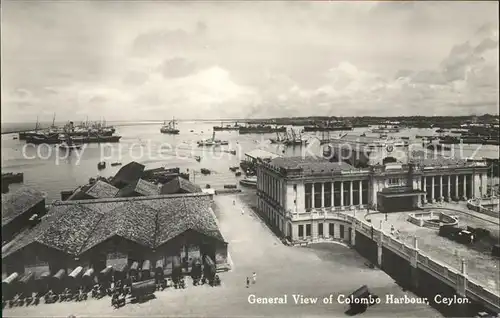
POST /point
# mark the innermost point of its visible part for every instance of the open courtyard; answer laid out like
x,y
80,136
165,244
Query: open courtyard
x,y
321,271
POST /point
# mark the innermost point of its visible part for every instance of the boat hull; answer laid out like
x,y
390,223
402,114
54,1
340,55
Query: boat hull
x,y
78,140
216,128
244,130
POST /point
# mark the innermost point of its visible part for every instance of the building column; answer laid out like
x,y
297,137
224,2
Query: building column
x,y
424,188
322,195
433,198
350,193
456,186
360,192
448,193
413,263
353,233
341,194
332,200
441,187
312,196
465,187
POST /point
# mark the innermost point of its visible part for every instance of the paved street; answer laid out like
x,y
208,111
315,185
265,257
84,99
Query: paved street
x,y
313,272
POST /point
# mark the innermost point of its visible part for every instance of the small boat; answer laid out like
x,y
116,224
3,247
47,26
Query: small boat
x,y
10,177
101,165
205,171
249,182
238,173
116,164
211,142
69,146
233,169
191,130
15,138
197,158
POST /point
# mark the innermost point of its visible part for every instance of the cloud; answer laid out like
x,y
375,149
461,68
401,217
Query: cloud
x,y
145,60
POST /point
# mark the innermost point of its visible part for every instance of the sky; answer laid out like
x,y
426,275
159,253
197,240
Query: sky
x,y
157,60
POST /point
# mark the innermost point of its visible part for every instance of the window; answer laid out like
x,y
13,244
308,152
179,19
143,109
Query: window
x,y
308,229
393,181
317,195
331,229
320,229
301,230
336,194
341,231
328,194
308,196
364,190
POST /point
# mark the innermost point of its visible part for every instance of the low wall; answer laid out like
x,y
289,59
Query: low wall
x,y
423,219
477,205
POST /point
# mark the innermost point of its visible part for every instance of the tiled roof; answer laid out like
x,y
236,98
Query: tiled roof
x,y
310,164
101,189
77,226
178,184
141,187
18,202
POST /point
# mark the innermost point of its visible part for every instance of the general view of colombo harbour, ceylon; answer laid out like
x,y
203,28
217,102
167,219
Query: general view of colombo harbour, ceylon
x,y
250,159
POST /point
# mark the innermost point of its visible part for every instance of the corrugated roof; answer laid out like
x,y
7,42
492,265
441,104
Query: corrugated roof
x,y
262,154
178,185
76,226
310,164
101,189
18,202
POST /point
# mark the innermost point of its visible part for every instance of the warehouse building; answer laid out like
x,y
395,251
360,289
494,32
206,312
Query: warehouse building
x,y
98,233
19,209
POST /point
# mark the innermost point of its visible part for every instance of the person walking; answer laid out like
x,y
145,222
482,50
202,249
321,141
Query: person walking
x,y
254,277
248,282
234,202
242,211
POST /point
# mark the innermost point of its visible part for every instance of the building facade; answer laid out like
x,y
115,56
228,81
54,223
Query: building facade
x,y
301,197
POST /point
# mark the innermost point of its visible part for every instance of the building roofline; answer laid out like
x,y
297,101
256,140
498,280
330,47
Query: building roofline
x,y
131,199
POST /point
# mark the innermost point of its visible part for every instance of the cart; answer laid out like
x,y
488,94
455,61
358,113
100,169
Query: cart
x,y
146,270
134,271
143,290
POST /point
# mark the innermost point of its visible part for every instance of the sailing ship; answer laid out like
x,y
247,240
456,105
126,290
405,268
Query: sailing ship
x,y
169,128
295,140
210,142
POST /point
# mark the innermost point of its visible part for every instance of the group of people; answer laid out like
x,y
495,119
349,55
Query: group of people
x,y
254,279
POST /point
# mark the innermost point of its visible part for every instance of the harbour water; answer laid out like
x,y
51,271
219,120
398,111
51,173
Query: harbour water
x,y
52,170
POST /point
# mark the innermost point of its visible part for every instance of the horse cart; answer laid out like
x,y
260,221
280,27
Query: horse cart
x,y
196,271
160,275
9,288
88,280
146,270
25,289
210,272
73,283
177,276
134,271
144,290
120,276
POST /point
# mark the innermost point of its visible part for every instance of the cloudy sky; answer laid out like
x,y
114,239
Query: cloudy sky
x,y
154,60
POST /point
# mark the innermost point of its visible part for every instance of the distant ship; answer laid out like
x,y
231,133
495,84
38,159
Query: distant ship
x,y
212,142
59,138
261,129
169,128
387,127
227,127
84,129
329,126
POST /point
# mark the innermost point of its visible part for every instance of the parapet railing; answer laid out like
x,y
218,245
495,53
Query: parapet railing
x,y
444,272
476,205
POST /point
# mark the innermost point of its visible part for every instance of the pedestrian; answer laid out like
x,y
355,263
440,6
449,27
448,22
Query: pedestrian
x,y
234,202
392,229
254,277
242,211
248,282
386,217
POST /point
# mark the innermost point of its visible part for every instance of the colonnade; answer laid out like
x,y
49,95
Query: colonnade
x,y
336,194
447,187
